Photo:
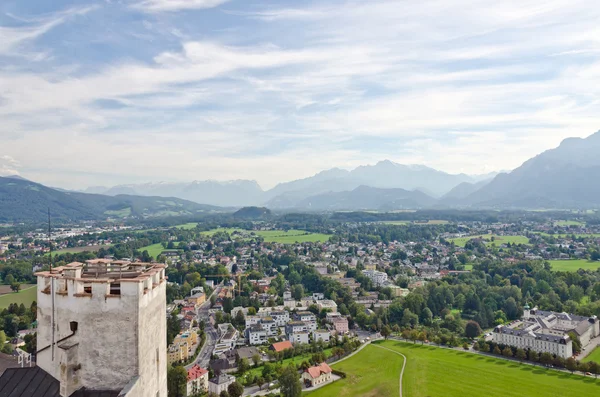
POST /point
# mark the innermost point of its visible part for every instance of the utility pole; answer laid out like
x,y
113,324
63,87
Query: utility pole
x,y
51,283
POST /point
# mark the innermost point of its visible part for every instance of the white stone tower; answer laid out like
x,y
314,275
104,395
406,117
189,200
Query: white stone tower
x,y
102,326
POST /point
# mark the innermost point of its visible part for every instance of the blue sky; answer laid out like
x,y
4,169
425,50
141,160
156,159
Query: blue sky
x,y
131,91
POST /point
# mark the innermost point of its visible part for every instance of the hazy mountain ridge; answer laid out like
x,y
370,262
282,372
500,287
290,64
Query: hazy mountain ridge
x,y
368,198
26,201
564,177
383,175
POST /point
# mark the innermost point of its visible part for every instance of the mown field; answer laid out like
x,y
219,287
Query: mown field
x,y
568,235
498,240
277,236
436,372
593,356
572,265
372,372
25,296
430,222
187,226
569,223
432,371
154,249
76,250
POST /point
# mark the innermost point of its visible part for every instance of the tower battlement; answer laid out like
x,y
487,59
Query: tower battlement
x,y
102,324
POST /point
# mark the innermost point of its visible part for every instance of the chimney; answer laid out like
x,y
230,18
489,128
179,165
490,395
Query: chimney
x,y
69,366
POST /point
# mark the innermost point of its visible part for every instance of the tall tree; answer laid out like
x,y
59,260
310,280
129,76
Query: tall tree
x,y
235,389
177,381
571,364
290,382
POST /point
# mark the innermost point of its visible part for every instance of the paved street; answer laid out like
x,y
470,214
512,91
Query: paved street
x,y
203,357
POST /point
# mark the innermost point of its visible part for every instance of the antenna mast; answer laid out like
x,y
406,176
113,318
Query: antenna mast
x,y
52,282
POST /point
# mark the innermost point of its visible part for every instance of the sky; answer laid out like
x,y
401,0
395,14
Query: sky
x,y
132,91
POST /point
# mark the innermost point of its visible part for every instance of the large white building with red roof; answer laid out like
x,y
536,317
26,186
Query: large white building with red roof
x,y
197,380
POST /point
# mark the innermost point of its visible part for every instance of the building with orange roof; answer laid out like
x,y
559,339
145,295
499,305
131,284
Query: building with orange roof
x,y
317,375
281,346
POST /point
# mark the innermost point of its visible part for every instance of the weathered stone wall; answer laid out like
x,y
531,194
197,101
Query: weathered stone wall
x,y
153,343
119,336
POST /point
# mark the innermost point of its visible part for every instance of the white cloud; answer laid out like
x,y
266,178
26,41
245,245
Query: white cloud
x,y
470,86
8,166
175,5
11,38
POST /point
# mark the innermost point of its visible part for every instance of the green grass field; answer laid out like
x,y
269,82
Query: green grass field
x,y
187,226
566,235
372,372
432,371
430,222
26,297
572,265
277,236
593,356
498,240
154,249
122,213
76,250
569,223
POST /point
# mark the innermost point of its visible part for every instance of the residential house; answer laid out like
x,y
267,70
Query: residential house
x,y
327,305
220,383
317,375
340,325
299,337
321,335
281,346
197,380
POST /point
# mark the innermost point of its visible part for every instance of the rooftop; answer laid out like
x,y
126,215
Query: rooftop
x,y
105,269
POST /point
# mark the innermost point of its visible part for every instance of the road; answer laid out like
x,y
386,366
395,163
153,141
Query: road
x,y
203,358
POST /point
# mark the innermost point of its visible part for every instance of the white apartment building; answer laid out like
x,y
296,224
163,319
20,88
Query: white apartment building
x,y
293,327
256,335
280,317
378,278
327,304
299,337
252,320
321,334
228,337
544,331
308,318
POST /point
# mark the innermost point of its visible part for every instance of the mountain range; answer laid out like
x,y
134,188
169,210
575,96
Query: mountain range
x,y
383,175
564,177
25,201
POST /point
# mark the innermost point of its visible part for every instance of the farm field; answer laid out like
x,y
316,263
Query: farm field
x,y
430,222
461,241
432,371
278,236
572,265
187,226
25,296
371,372
154,249
577,235
593,356
76,250
569,223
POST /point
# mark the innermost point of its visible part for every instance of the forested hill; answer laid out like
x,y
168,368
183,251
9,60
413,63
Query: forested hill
x,y
28,202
